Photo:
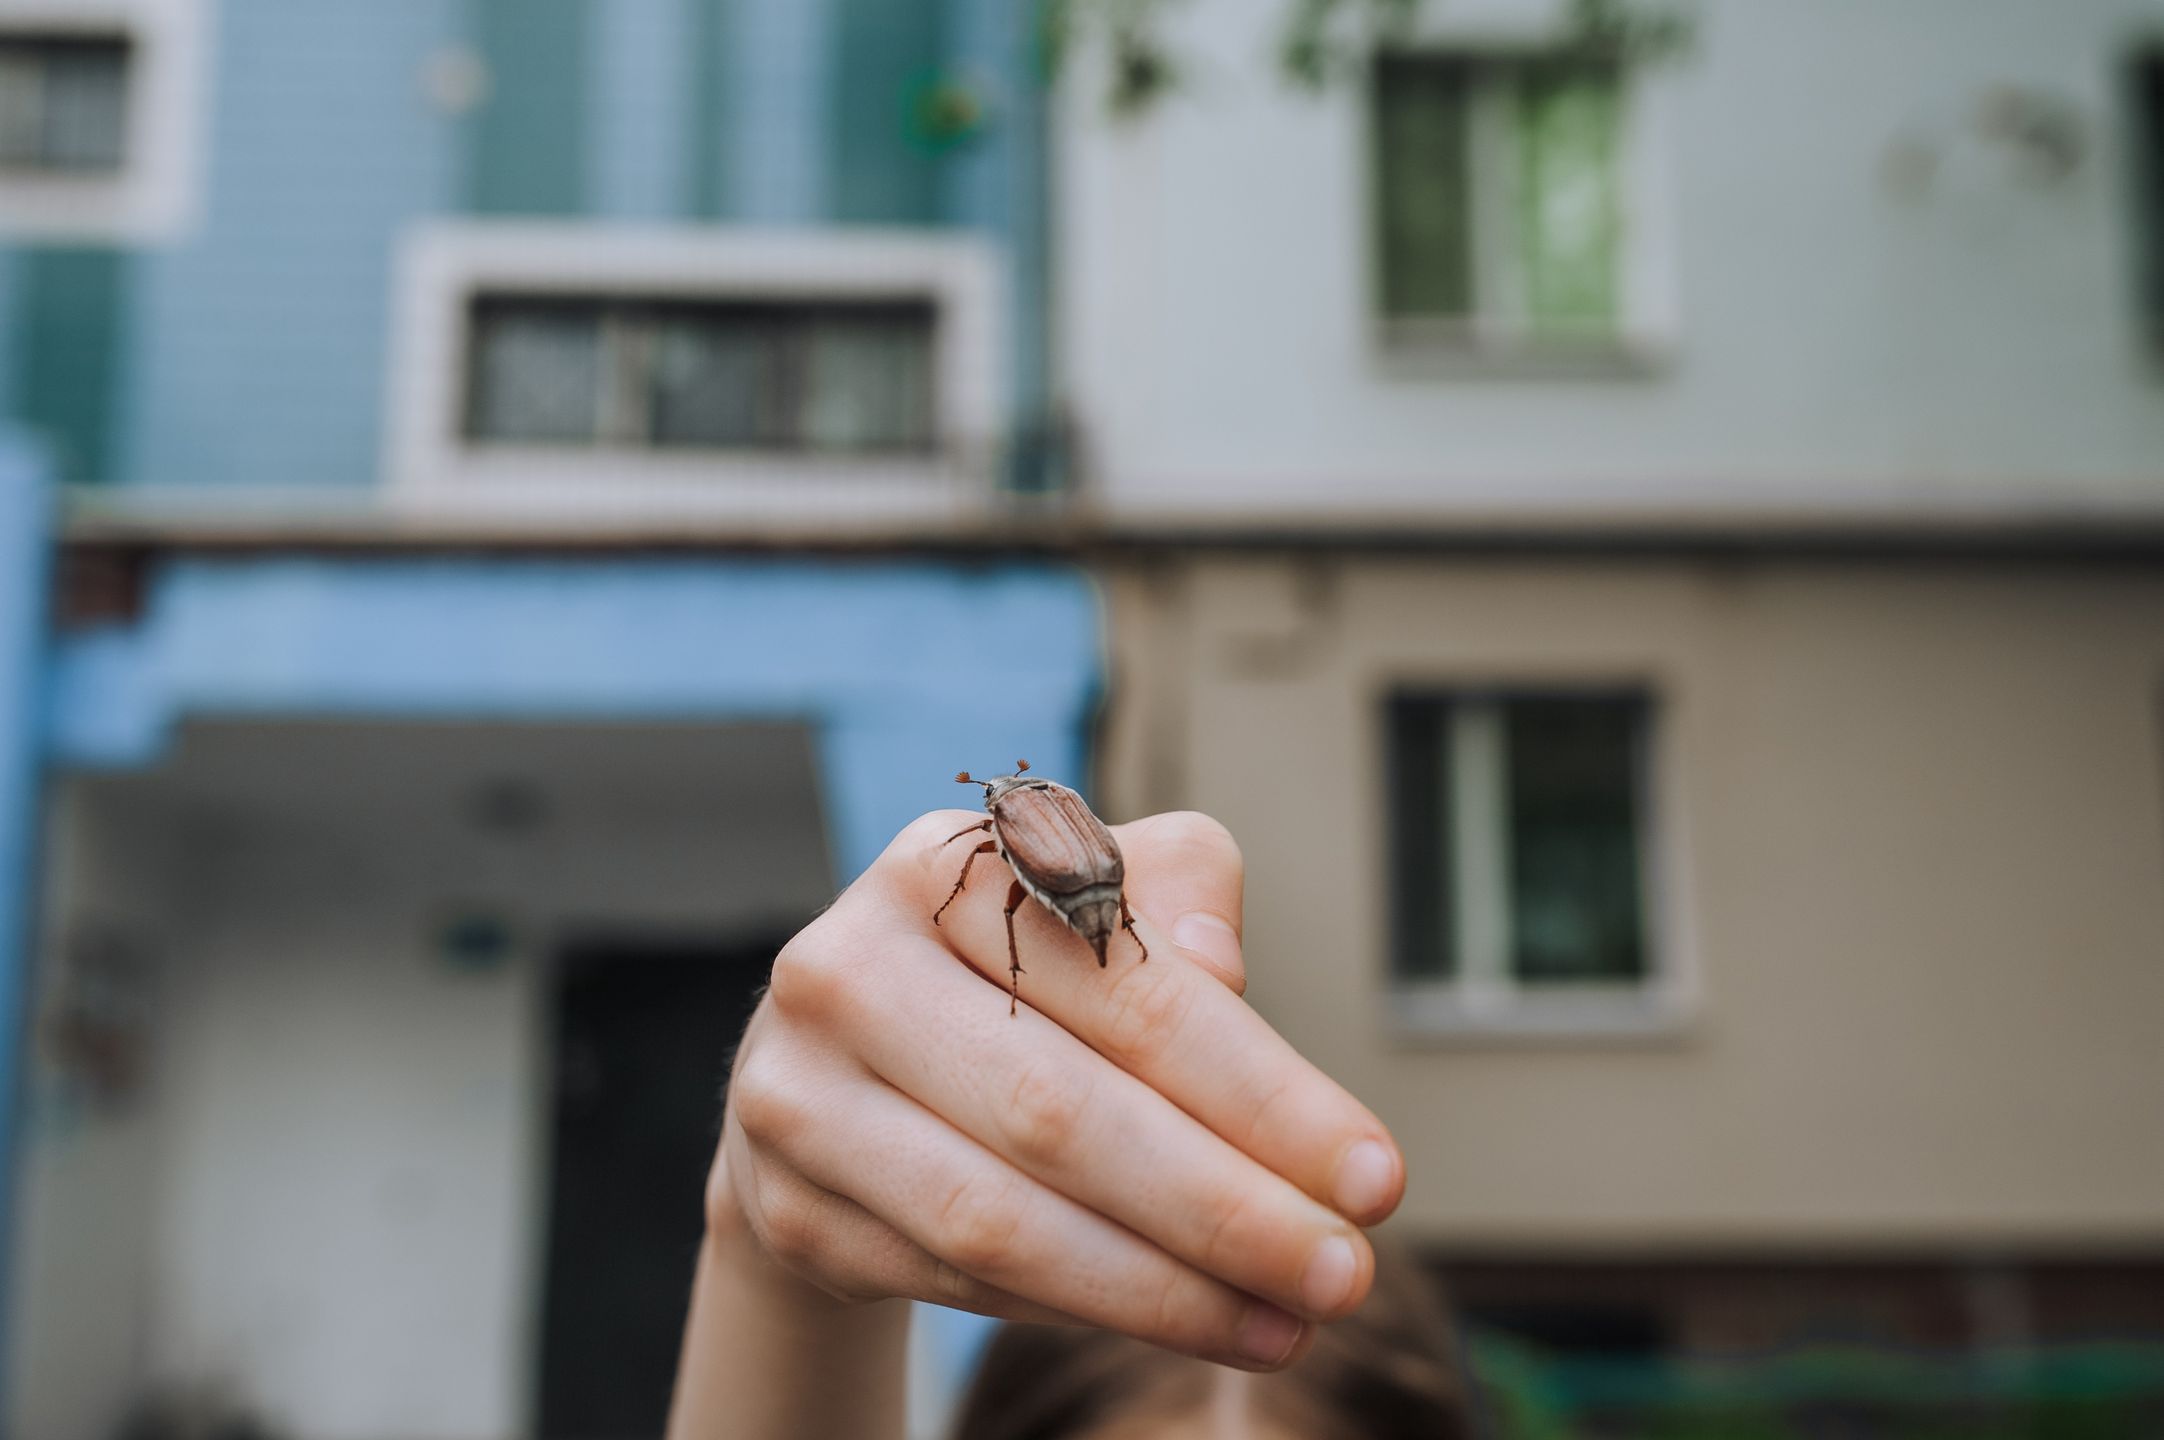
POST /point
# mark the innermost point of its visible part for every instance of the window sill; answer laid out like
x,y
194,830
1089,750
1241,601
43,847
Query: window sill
x,y
1445,1014
1445,350
691,485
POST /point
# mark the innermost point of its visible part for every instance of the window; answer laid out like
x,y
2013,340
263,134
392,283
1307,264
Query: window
x,y
1520,854
99,120
829,377
1500,188
63,103
714,374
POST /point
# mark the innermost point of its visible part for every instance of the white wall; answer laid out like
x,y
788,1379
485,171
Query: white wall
x,y
1843,345
350,1184
81,1287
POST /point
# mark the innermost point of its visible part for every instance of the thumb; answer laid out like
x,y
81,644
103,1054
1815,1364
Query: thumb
x,y
1184,883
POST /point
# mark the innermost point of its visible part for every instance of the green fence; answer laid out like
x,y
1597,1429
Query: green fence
x,y
2102,1391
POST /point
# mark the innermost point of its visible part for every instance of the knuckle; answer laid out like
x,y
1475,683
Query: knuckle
x,y
922,843
1193,838
1143,1012
760,1096
1266,1102
1044,1111
954,1289
811,975
1172,1318
978,1221
790,1231
1222,1250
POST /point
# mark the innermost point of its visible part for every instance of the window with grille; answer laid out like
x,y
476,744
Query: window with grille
x,y
64,103
1500,197
666,374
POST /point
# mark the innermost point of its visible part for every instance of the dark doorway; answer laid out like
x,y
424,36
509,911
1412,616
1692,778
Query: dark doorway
x,y
643,1038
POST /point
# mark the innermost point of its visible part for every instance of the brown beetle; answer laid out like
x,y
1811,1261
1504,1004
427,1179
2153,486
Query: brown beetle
x,y
1062,856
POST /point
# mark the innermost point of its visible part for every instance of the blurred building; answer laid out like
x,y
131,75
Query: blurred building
x,y
1646,529
1645,524
481,431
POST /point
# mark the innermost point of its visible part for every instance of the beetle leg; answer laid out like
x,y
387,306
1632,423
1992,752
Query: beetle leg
x,y
963,879
1127,923
1015,896
984,824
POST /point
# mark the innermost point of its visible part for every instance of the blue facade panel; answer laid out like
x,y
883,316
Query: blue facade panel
x,y
24,543
259,342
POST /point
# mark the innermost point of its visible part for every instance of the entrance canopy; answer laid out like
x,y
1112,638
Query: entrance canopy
x,y
907,671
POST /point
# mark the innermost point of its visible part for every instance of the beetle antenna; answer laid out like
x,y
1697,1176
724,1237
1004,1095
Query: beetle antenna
x,y
962,778
1021,767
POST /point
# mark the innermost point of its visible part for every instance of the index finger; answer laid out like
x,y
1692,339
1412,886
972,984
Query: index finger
x,y
1168,1021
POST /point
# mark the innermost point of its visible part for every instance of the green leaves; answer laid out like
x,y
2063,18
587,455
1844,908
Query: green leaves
x,y
1322,42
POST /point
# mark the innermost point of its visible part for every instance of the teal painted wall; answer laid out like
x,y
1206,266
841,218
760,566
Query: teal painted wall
x,y
712,41
68,340
882,165
530,138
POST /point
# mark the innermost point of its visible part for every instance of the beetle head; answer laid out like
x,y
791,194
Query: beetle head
x,y
993,789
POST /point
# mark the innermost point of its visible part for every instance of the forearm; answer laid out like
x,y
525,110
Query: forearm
x,y
769,1357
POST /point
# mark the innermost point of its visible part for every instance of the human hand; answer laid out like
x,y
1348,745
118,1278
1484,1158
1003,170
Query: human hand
x,y
1136,1149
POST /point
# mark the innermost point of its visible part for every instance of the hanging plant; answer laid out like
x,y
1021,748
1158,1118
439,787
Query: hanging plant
x,y
1322,42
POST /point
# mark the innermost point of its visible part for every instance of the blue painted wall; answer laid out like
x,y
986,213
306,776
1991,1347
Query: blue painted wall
x,y
24,542
252,352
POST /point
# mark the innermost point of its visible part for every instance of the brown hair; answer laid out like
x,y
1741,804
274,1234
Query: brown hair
x,y
1390,1372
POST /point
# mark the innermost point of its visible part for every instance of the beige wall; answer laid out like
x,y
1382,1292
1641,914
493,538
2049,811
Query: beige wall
x,y
1916,833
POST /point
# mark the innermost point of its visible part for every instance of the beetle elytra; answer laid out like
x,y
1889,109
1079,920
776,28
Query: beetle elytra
x,y
1062,856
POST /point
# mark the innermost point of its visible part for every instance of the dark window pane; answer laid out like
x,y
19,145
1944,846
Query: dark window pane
x,y
1575,801
1423,945
718,379
536,372
1423,186
845,377
2148,108
868,380
63,102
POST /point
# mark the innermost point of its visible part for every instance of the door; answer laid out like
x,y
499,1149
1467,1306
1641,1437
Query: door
x,y
644,1034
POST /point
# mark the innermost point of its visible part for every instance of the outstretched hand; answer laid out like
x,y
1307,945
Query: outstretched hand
x,y
1136,1149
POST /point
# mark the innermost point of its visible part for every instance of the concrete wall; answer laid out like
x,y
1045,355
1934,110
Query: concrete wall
x,y
334,1205
1918,838
1876,308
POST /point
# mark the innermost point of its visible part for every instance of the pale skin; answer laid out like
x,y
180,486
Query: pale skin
x,y
1135,1149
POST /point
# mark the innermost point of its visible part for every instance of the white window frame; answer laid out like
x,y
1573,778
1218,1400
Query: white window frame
x,y
1497,333
155,194
432,465
1483,1001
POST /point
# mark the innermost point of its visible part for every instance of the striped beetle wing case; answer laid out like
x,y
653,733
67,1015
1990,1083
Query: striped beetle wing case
x,y
1054,842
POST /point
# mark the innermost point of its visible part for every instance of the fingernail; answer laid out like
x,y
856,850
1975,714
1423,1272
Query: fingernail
x,y
1209,937
1267,1334
1327,1282
1364,1179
